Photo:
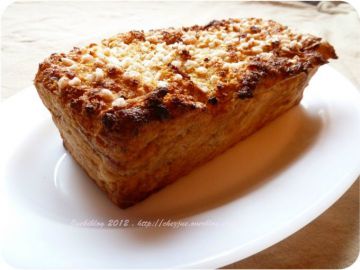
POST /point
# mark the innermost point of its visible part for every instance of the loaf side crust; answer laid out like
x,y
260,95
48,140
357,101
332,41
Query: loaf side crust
x,y
165,158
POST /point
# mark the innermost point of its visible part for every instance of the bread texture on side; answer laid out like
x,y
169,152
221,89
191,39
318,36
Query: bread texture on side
x,y
142,109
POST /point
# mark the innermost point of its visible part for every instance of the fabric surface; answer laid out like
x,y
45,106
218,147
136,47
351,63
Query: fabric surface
x,y
30,31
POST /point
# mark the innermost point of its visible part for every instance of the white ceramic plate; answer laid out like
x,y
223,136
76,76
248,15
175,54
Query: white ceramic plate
x,y
254,195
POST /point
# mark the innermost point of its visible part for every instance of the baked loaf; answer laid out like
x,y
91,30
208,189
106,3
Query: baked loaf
x,y
141,109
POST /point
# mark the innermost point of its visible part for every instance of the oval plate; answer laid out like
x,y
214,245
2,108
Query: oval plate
x,y
254,195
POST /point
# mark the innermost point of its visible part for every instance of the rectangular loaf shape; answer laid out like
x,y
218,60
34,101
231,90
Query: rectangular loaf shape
x,y
141,109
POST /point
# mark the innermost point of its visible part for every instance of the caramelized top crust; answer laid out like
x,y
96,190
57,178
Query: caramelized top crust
x,y
137,77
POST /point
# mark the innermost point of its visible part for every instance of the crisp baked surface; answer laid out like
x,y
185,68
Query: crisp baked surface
x,y
123,79
129,109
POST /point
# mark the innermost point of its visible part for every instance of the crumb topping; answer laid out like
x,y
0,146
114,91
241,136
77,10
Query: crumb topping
x,y
198,63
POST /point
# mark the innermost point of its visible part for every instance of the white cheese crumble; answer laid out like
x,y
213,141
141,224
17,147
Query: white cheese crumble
x,y
90,77
99,74
132,74
106,94
201,70
75,81
178,77
63,82
162,84
176,63
119,102
68,62
86,58
214,79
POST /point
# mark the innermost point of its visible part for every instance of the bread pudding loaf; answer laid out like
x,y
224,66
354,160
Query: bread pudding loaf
x,y
141,109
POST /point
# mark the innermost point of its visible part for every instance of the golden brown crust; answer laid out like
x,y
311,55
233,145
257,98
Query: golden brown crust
x,y
282,53
134,94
